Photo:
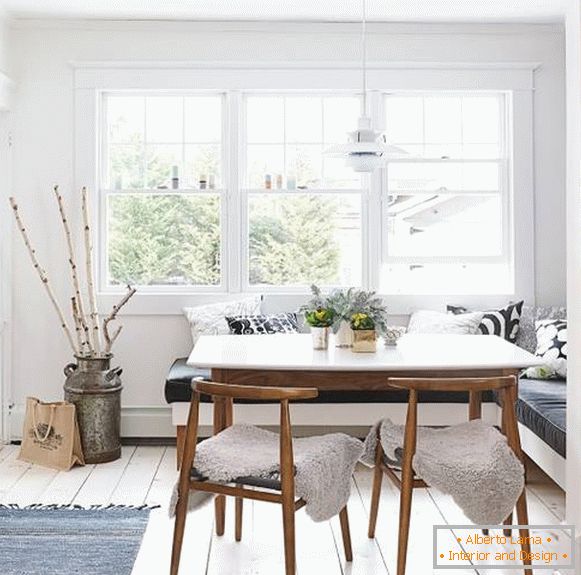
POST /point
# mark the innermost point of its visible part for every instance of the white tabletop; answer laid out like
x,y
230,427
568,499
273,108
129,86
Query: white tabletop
x,y
413,352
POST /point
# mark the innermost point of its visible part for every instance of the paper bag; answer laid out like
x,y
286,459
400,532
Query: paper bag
x,y
51,435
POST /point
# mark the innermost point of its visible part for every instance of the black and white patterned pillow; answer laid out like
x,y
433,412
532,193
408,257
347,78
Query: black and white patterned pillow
x,y
552,347
263,324
503,322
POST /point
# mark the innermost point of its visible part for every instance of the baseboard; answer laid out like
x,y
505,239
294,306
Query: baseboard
x,y
160,422
136,421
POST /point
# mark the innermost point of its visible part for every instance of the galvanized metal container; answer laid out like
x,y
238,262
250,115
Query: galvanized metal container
x,y
95,389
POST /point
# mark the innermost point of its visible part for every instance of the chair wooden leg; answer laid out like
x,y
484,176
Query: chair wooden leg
x,y
407,481
181,511
346,533
511,426
287,479
376,490
178,534
238,518
508,521
220,416
180,441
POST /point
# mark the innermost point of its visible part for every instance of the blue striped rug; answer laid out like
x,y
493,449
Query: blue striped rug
x,y
53,540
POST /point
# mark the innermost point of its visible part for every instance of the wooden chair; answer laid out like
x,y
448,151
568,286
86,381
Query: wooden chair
x,y
506,387
189,480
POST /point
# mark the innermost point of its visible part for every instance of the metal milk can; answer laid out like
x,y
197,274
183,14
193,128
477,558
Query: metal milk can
x,y
95,389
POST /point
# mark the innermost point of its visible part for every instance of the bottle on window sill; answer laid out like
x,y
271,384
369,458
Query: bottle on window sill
x,y
267,182
291,182
175,180
212,182
203,182
279,182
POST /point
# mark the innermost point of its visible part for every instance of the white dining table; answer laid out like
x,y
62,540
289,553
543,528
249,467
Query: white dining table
x,y
290,360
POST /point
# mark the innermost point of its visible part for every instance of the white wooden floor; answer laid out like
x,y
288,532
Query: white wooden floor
x,y
145,475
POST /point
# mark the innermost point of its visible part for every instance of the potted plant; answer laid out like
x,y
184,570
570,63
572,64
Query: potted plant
x,y
364,336
348,302
319,316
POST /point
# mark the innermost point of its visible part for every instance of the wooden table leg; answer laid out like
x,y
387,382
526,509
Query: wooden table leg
x,y
475,407
513,437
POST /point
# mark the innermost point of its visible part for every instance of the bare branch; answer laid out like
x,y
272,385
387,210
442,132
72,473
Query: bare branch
x,y
43,276
90,282
110,339
80,315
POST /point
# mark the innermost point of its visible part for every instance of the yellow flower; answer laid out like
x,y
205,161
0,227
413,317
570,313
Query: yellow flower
x,y
321,314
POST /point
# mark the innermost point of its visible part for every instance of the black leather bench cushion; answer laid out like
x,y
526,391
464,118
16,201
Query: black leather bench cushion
x,y
542,407
178,389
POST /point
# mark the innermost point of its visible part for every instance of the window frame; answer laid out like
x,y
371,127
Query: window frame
x,y
505,184
93,78
104,193
244,192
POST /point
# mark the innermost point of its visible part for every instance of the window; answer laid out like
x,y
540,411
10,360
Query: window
x,y
162,178
447,207
231,191
303,210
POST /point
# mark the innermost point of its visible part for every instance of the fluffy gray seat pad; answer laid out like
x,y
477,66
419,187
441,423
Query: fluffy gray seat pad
x,y
323,465
472,462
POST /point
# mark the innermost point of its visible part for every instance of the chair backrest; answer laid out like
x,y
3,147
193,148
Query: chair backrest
x,y
452,383
253,392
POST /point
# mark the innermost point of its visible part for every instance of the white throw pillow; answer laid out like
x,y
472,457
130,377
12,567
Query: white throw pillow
x,y
210,319
426,321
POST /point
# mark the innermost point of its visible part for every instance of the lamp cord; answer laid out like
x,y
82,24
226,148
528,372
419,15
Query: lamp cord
x,y
364,55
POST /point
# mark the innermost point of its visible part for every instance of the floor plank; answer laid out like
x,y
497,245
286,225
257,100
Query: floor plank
x,y
165,478
137,477
30,486
66,485
11,471
100,485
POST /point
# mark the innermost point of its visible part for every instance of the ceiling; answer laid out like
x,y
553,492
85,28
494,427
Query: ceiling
x,y
294,10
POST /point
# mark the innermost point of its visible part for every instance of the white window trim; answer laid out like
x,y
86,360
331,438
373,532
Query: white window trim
x,y
91,78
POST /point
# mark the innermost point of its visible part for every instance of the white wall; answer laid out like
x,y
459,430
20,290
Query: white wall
x,y
44,155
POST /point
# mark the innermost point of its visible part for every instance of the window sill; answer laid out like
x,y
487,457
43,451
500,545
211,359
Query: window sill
x,y
171,304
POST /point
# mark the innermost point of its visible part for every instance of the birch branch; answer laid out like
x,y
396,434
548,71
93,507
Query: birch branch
x,y
78,305
85,344
76,321
110,339
90,282
43,276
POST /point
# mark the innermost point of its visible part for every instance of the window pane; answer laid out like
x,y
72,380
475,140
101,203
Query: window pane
x,y
126,166
265,119
300,239
405,119
481,120
305,162
462,126
455,279
443,120
164,239
126,119
164,119
202,161
444,225
203,119
161,160
262,160
449,175
340,117
304,120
